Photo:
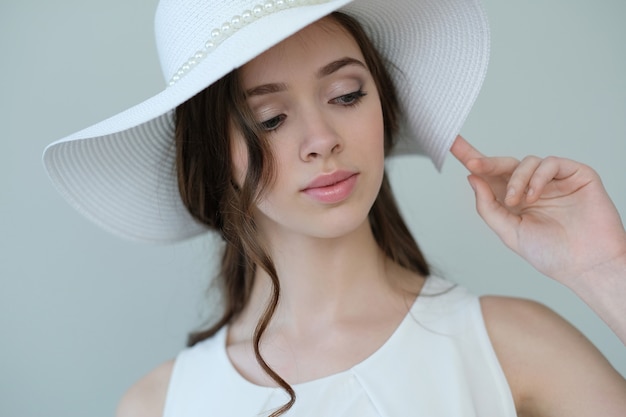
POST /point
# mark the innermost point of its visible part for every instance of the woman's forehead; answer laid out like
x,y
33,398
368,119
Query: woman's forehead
x,y
308,49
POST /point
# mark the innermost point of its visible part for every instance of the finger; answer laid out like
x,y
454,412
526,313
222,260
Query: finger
x,y
553,171
463,151
519,183
493,166
497,217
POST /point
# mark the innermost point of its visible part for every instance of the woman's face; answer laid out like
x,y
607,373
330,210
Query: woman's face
x,y
318,102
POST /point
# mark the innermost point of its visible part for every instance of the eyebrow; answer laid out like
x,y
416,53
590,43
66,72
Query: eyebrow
x,y
326,70
337,65
266,89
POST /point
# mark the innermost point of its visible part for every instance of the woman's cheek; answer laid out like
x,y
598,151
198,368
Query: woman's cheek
x,y
239,155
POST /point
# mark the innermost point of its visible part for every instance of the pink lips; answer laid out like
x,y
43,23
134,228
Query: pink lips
x,y
331,188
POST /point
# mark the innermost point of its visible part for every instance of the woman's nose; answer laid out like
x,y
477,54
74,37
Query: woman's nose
x,y
320,138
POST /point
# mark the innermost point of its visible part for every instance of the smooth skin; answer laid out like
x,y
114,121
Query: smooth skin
x,y
555,213
340,288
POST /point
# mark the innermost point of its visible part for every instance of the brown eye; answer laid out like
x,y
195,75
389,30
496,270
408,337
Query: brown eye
x,y
273,123
349,99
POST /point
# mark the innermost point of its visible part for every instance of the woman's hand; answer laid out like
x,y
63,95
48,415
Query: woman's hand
x,y
556,214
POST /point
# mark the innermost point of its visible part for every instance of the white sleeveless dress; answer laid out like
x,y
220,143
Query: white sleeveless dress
x,y
438,362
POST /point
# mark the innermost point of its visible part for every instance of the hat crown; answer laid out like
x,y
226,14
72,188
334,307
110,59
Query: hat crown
x,y
182,27
186,30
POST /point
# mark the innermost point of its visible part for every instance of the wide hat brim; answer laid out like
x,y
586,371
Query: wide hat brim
x,y
120,173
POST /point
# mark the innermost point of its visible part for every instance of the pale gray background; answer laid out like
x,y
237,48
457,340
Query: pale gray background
x,y
83,314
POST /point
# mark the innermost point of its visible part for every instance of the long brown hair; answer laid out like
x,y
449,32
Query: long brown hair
x,y
204,169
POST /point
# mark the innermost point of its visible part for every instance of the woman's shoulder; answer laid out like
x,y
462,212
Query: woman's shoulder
x,y
526,327
146,398
547,361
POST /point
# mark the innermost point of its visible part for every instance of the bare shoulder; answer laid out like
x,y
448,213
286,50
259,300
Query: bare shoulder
x,y
551,367
146,398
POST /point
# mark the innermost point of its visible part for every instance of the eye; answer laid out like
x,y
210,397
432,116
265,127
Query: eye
x,y
349,99
273,123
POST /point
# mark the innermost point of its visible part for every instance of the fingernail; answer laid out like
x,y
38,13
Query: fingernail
x,y
510,192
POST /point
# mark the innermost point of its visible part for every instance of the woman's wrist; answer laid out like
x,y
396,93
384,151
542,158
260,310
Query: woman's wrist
x,y
603,288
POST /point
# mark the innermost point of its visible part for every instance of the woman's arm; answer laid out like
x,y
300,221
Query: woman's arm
x,y
551,368
556,214
146,398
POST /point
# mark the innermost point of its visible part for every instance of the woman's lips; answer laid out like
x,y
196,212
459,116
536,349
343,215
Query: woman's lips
x,y
332,188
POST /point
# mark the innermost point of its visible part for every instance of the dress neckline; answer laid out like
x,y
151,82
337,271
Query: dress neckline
x,y
432,287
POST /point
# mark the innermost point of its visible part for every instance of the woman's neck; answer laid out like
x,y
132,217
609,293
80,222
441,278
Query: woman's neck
x,y
324,281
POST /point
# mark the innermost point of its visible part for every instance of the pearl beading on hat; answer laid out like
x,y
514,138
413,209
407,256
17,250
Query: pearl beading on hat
x,y
218,35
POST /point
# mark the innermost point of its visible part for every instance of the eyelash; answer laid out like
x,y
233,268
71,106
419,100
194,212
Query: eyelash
x,y
353,99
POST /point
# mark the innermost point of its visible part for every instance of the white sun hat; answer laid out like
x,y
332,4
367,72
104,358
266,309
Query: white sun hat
x,y
120,173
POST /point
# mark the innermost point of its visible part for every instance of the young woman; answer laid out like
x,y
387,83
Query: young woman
x,y
329,306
